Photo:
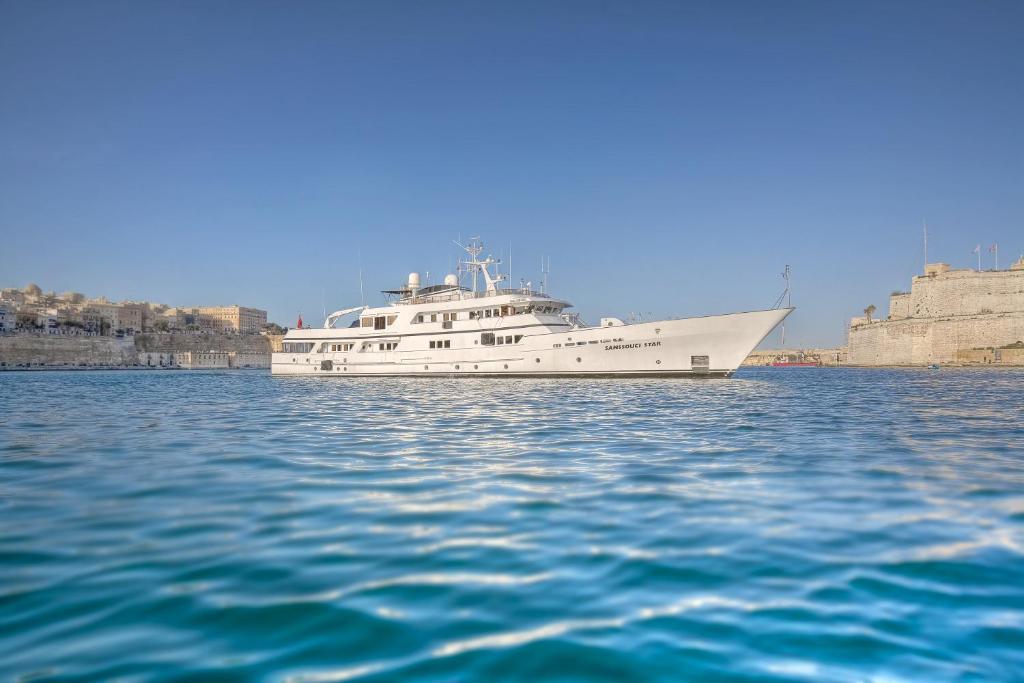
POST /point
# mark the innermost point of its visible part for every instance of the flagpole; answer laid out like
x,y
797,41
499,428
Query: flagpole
x,y
925,224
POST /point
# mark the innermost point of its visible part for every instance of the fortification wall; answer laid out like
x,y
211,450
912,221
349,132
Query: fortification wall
x,y
201,343
59,351
899,306
937,340
967,292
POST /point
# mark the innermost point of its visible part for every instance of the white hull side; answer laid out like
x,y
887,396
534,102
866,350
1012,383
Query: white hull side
x,y
655,349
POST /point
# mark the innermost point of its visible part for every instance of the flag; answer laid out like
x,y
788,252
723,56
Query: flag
x,y
993,249
300,321
976,250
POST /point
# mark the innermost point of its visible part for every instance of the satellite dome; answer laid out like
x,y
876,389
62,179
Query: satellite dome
x,y
451,280
414,280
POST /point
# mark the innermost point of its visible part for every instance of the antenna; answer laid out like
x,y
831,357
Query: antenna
x,y
362,296
510,280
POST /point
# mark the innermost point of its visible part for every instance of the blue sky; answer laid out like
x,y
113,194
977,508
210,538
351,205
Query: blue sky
x,y
671,158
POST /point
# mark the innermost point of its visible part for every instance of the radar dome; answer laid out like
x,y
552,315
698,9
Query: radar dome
x,y
451,280
414,280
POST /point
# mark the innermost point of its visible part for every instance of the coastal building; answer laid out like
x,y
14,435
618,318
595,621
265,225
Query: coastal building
x,y
8,320
1011,354
157,359
946,312
241,359
232,318
203,360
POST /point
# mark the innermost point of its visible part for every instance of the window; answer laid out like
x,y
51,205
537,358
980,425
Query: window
x,y
497,312
392,319
379,323
518,338
419,318
472,314
366,322
432,342
447,343
487,339
433,317
501,340
488,313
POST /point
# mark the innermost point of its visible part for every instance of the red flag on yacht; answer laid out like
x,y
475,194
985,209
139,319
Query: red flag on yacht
x,y
300,321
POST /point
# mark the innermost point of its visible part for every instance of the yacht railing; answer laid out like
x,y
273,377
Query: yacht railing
x,y
469,296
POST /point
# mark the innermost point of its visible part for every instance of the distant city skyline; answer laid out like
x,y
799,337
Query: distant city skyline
x,y
671,159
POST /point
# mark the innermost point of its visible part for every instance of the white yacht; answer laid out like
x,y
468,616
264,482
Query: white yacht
x,y
450,330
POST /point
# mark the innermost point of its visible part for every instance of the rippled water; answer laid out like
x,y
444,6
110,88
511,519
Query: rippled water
x,y
783,525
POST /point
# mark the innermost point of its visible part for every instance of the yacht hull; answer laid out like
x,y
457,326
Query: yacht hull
x,y
710,346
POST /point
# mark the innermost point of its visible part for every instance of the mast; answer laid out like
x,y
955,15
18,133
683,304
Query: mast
x,y
476,265
789,303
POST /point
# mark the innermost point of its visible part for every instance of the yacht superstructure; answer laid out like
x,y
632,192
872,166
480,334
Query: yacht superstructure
x,y
449,329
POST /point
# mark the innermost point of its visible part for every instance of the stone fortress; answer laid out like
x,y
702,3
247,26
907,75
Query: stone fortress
x,y
948,316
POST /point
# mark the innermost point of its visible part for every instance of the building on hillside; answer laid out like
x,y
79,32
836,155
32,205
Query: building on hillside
x,y
107,313
945,312
232,319
132,316
12,297
8,320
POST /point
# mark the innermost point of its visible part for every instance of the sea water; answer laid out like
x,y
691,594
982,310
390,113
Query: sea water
x,y
783,525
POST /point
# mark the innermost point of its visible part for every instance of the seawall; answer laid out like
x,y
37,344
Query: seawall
x,y
56,351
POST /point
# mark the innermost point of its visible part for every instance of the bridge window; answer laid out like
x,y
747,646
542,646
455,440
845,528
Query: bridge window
x,y
487,339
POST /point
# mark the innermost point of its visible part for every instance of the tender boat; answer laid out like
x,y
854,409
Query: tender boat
x,y
451,330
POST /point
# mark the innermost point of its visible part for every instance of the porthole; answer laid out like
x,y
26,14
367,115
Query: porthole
x,y
506,366
456,367
537,359
658,362
476,367
578,359
425,367
345,369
